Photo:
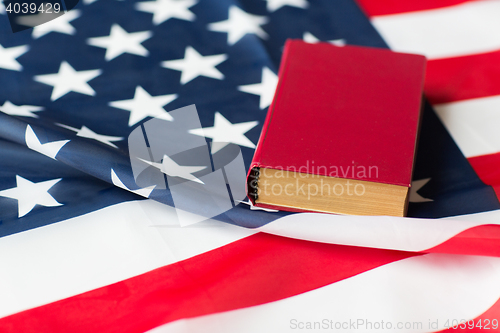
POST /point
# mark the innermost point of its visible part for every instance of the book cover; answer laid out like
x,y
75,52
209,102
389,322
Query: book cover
x,y
348,113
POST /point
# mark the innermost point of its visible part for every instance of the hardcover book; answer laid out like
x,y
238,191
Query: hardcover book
x,y
341,133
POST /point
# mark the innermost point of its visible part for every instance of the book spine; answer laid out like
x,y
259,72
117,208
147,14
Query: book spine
x,y
253,172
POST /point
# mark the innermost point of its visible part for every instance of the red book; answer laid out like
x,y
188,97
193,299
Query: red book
x,y
341,117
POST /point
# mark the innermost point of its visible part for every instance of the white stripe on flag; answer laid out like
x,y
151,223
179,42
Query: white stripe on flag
x,y
414,291
103,247
384,232
473,124
458,30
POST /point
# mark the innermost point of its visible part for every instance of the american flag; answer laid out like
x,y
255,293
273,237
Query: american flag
x,y
83,249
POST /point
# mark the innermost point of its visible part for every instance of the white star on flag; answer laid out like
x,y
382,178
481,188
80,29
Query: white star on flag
x,y
415,186
144,105
20,110
265,89
50,149
169,167
43,24
67,80
224,132
143,192
164,10
273,5
9,55
119,42
310,38
29,194
238,24
86,132
194,65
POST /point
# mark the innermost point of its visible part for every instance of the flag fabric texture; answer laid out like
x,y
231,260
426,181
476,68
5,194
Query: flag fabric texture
x,y
83,248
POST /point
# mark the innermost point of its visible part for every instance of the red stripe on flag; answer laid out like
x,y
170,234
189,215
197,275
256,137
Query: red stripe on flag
x,y
258,269
483,240
460,78
487,168
388,7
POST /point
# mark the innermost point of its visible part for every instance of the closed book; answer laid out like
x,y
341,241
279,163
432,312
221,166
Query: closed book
x,y
341,133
